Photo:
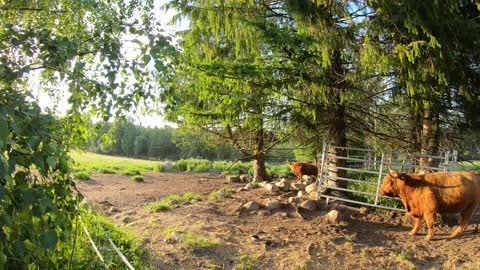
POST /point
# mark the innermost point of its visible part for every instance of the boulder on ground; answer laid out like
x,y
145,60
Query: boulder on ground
x,y
283,185
300,193
271,187
273,204
244,178
333,217
233,178
251,206
297,186
308,178
295,200
311,188
310,205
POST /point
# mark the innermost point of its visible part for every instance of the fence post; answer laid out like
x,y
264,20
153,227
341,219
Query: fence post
x,y
446,161
320,171
379,178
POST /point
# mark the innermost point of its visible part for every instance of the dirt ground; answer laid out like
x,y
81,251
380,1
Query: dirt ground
x,y
282,239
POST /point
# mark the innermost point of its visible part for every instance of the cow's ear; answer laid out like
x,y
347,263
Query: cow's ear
x,y
393,174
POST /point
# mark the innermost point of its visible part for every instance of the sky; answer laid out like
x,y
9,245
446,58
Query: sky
x,y
58,102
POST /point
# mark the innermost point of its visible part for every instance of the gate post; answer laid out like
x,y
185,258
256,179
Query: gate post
x,y
320,171
379,178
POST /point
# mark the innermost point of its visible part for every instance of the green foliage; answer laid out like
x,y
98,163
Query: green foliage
x,y
37,203
222,193
82,176
370,187
98,227
245,262
137,178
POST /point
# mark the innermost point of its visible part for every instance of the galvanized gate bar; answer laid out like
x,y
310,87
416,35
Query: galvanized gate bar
x,y
445,164
379,177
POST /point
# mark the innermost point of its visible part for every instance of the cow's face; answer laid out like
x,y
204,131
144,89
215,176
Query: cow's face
x,y
388,187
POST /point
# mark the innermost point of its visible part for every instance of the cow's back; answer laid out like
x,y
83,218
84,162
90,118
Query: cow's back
x,y
454,191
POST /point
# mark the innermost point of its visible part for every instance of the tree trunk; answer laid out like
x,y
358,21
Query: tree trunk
x,y
430,138
259,169
337,130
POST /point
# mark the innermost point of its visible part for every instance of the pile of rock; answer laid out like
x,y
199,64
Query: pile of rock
x,y
306,185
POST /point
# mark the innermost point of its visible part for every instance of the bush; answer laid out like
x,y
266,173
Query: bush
x,y
137,178
82,176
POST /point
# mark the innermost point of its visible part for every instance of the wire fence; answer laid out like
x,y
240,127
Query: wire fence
x,y
364,170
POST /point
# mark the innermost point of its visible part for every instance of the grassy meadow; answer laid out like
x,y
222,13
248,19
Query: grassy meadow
x,y
85,163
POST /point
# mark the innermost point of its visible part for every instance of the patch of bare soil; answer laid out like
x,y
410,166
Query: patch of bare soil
x,y
287,238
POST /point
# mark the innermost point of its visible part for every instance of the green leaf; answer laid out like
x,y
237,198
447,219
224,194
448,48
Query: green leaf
x,y
51,162
3,131
28,196
49,239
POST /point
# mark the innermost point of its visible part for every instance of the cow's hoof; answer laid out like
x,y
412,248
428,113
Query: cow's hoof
x,y
412,233
428,238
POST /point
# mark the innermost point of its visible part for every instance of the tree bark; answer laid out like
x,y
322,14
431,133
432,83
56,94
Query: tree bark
x,y
430,138
337,137
259,169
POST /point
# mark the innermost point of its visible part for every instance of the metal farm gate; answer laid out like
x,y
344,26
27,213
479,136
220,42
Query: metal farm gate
x,y
365,169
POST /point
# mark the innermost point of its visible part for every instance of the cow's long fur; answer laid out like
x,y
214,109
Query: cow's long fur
x,y
302,168
425,195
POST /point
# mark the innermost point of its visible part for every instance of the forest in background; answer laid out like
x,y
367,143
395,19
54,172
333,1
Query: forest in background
x,y
254,74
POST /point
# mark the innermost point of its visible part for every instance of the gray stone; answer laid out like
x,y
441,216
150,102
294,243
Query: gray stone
x,y
271,187
310,205
233,178
295,200
273,204
309,179
126,219
297,186
244,178
251,206
176,236
283,185
332,216
113,209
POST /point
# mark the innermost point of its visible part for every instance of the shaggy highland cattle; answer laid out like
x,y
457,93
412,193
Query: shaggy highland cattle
x,y
425,195
300,169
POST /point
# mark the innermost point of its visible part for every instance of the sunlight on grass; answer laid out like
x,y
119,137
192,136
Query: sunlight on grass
x,y
166,203
245,262
90,162
222,193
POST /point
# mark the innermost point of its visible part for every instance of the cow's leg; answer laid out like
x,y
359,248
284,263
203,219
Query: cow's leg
x,y
416,225
430,219
464,219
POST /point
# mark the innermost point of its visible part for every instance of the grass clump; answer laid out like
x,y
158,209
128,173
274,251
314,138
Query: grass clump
x,y
158,206
137,178
198,243
222,193
245,262
106,171
166,203
82,176
85,258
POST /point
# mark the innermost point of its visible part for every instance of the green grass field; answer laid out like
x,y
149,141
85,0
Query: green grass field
x,y
86,163
89,162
